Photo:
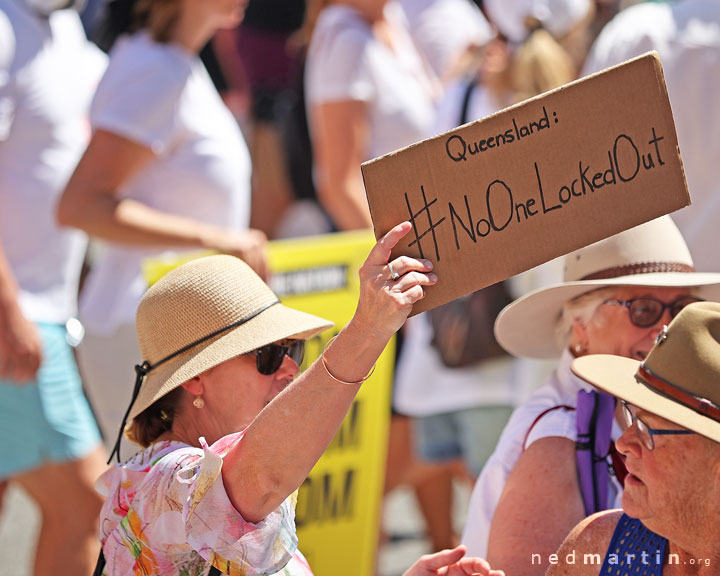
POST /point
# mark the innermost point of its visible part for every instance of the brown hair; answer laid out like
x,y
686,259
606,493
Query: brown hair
x,y
158,17
155,420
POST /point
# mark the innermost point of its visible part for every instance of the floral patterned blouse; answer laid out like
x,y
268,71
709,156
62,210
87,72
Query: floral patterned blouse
x,y
167,514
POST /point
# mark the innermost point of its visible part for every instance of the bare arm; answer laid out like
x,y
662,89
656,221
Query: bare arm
x,y
90,203
20,347
539,506
290,434
583,551
340,142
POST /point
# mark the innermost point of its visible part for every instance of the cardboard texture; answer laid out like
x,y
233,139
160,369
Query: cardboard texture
x,y
499,196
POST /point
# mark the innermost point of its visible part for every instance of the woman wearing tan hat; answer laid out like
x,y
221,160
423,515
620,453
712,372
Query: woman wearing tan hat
x,y
229,432
671,402
616,296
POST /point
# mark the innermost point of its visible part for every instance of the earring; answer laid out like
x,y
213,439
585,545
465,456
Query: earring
x,y
198,401
578,348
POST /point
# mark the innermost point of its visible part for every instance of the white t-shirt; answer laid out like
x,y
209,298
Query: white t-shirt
x,y
687,36
48,73
560,388
347,62
444,29
162,97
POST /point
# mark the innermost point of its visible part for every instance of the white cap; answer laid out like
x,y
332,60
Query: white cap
x,y
556,16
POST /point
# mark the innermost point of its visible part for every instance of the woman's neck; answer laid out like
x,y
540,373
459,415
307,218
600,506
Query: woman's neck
x,y
192,32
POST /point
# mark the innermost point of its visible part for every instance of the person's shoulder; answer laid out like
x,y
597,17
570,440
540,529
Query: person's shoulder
x,y
583,551
140,57
342,26
7,39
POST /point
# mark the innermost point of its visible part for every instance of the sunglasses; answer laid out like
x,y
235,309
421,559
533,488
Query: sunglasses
x,y
646,433
645,312
269,358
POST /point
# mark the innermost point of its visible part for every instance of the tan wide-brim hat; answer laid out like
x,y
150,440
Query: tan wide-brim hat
x,y
204,313
653,254
680,378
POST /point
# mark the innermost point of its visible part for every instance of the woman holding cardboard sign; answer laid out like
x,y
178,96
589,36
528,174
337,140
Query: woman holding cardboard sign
x,y
229,429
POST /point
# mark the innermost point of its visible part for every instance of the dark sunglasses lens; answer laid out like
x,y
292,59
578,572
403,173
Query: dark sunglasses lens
x,y
645,312
296,351
680,303
270,358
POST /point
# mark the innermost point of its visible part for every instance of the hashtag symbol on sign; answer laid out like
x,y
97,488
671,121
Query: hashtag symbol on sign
x,y
431,226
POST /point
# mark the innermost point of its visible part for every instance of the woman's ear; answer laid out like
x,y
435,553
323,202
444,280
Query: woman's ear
x,y
578,336
194,386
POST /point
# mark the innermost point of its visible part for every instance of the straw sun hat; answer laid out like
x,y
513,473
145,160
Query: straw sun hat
x,y
653,254
678,380
204,313
556,16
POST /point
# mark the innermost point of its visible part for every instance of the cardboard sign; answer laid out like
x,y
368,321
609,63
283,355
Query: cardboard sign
x,y
535,181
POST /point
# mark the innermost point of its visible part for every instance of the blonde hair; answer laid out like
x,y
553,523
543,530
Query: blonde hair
x,y
158,17
540,64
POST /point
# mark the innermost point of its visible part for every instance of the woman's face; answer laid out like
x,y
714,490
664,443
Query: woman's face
x,y
610,331
235,392
666,487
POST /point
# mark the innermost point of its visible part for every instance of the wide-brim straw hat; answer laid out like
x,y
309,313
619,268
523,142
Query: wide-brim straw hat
x,y
653,254
556,16
678,380
219,302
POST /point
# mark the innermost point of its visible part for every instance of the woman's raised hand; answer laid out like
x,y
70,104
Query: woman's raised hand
x,y
389,288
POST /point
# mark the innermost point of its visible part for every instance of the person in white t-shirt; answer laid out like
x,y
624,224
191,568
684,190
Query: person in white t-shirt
x,y
50,442
687,36
167,170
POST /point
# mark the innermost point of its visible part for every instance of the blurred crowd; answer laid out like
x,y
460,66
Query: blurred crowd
x,y
132,129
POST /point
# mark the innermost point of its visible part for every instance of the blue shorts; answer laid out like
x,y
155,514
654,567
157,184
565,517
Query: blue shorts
x,y
48,419
469,434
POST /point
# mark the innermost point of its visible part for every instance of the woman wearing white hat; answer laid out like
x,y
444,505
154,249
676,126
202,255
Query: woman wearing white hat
x,y
671,403
229,433
616,296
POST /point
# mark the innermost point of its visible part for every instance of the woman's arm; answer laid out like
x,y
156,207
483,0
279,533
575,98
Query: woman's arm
x,y
20,347
340,137
90,203
539,506
290,434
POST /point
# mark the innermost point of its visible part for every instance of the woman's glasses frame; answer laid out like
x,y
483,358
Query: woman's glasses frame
x,y
646,311
269,358
646,433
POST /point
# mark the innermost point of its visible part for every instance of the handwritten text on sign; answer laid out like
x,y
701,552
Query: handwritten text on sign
x,y
540,179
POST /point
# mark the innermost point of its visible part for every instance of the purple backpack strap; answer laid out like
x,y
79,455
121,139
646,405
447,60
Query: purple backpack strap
x,y
594,418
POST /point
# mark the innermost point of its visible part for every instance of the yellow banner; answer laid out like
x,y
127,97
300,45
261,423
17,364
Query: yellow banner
x,y
338,509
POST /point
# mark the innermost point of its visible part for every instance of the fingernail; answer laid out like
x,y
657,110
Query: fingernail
x,y
428,264
432,277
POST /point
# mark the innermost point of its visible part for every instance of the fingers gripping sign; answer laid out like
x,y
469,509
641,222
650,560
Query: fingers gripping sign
x,y
390,288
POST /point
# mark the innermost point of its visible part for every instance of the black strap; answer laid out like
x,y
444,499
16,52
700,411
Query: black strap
x,y
466,101
214,572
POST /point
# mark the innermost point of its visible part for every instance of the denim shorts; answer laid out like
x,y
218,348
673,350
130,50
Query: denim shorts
x,y
470,434
49,418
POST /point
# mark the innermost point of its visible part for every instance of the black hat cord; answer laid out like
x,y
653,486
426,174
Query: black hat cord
x,y
142,370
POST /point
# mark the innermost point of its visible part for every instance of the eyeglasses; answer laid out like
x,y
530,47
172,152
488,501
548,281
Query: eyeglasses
x,y
646,433
270,357
645,312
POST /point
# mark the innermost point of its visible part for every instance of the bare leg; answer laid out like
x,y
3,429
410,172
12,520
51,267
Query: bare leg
x,y
70,507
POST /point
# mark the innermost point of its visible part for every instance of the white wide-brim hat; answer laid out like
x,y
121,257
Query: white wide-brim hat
x,y
678,379
653,254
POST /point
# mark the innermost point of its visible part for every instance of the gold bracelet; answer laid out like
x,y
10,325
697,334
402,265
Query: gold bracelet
x,y
322,358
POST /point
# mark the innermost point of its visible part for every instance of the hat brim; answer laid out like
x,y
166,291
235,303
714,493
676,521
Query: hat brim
x,y
276,323
616,375
526,327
